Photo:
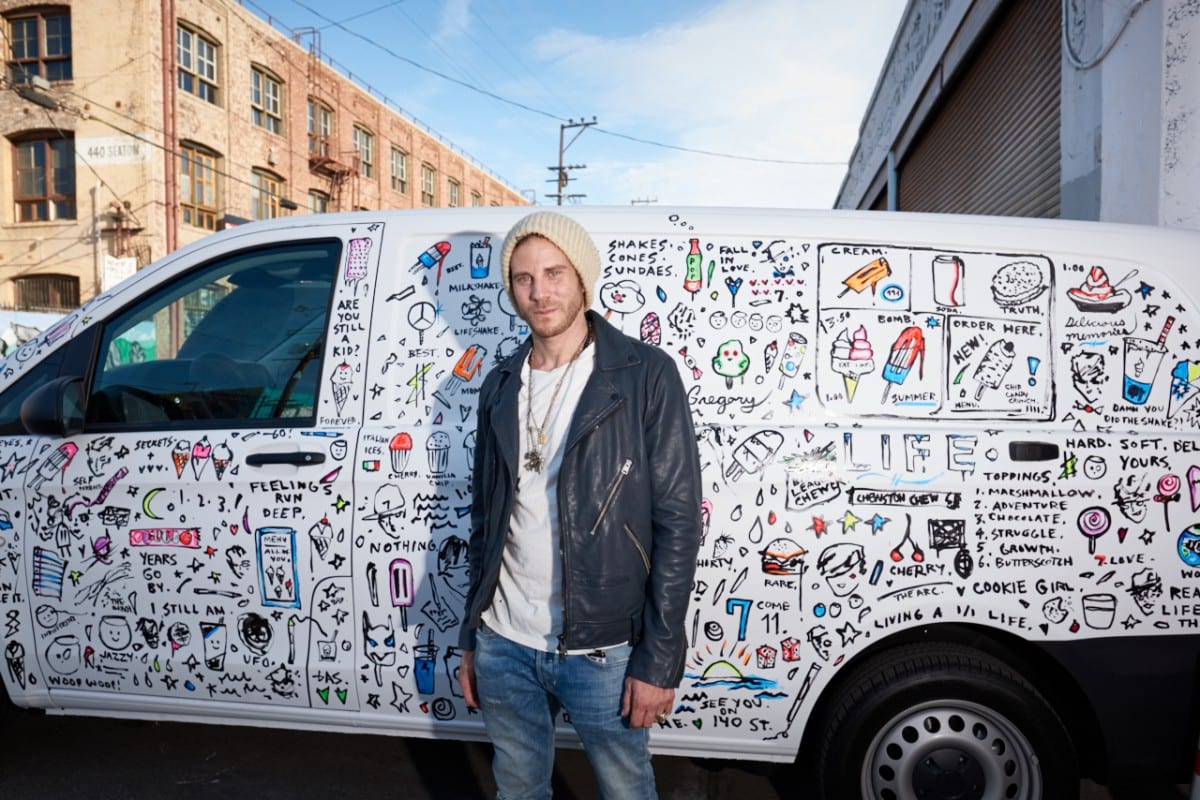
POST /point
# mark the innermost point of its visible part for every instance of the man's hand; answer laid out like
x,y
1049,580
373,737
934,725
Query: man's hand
x,y
642,702
466,678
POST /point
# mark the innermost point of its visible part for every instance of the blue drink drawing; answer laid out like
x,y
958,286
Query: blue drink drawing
x,y
425,665
1142,360
481,258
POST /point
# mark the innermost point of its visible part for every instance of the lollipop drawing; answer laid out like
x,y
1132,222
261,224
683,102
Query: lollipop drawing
x,y
867,277
1093,523
731,361
1168,492
1185,386
908,347
994,365
852,358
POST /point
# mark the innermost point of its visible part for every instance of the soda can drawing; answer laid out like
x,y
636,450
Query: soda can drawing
x,y
948,281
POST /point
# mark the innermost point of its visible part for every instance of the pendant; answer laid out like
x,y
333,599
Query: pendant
x,y
533,460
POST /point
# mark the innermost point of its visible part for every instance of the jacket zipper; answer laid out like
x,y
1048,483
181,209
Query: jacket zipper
x,y
612,493
641,550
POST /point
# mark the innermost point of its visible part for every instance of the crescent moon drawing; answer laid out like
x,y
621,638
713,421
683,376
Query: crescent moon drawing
x,y
146,503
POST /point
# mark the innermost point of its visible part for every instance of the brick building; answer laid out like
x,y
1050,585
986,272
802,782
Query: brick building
x,y
134,127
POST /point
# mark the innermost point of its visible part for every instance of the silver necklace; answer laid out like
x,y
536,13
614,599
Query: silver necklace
x,y
537,433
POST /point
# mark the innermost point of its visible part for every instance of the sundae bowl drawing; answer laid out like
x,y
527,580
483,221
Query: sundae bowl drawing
x,y
1098,295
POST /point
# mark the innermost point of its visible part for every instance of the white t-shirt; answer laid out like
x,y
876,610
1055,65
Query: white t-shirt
x,y
527,606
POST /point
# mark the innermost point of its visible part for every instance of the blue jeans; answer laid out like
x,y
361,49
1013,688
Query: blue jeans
x,y
521,691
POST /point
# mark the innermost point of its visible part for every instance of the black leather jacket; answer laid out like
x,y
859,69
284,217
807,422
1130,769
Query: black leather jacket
x,y
629,496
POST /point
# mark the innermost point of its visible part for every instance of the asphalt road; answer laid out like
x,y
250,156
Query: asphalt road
x,y
45,757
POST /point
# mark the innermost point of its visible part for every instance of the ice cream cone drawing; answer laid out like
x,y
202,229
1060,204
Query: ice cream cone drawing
x,y
852,358
908,347
180,457
221,456
994,365
201,452
1185,386
340,383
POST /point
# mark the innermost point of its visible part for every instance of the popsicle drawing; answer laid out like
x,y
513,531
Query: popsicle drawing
x,y
908,347
867,277
994,365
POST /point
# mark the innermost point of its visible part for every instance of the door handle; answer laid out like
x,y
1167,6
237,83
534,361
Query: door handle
x,y
300,457
1032,451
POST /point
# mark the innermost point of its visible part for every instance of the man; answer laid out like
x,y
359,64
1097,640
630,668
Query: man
x,y
585,524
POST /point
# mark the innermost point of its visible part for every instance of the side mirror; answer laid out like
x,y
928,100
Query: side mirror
x,y
55,409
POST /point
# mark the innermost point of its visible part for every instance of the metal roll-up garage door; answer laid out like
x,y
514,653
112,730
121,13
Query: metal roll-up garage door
x,y
993,146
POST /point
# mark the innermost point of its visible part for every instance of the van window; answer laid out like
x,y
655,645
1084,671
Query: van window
x,y
240,340
14,395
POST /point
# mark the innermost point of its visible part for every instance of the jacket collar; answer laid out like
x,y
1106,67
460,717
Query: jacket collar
x,y
614,350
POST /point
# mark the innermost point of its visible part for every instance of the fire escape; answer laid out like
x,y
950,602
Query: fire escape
x,y
340,169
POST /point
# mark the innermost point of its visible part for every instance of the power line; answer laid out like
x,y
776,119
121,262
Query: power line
x,y
550,115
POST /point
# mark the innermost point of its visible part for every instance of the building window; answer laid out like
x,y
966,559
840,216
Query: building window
x,y
476,199
320,128
428,185
196,57
44,177
47,293
266,190
198,186
399,170
364,147
318,202
454,190
40,44
265,104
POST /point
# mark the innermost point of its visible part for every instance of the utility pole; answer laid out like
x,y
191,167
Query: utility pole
x,y
560,172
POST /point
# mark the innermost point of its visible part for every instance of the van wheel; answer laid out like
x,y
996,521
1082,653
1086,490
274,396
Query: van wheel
x,y
942,722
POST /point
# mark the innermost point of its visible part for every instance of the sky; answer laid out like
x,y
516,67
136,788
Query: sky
x,y
780,84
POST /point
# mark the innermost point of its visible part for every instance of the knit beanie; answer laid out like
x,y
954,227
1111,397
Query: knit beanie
x,y
564,233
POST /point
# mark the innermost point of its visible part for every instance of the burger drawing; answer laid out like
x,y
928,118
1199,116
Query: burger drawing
x,y
782,557
1017,283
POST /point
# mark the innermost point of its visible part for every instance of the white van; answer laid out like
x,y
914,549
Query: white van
x,y
952,485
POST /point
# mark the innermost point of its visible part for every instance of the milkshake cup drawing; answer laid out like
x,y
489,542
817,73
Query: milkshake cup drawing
x,y
1099,610
481,258
948,281
1142,360
425,665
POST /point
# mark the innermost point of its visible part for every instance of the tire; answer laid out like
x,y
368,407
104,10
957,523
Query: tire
x,y
942,721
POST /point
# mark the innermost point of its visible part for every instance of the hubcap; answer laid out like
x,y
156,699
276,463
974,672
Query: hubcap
x,y
951,750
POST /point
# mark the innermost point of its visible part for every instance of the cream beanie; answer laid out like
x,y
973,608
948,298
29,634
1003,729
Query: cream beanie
x,y
564,233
